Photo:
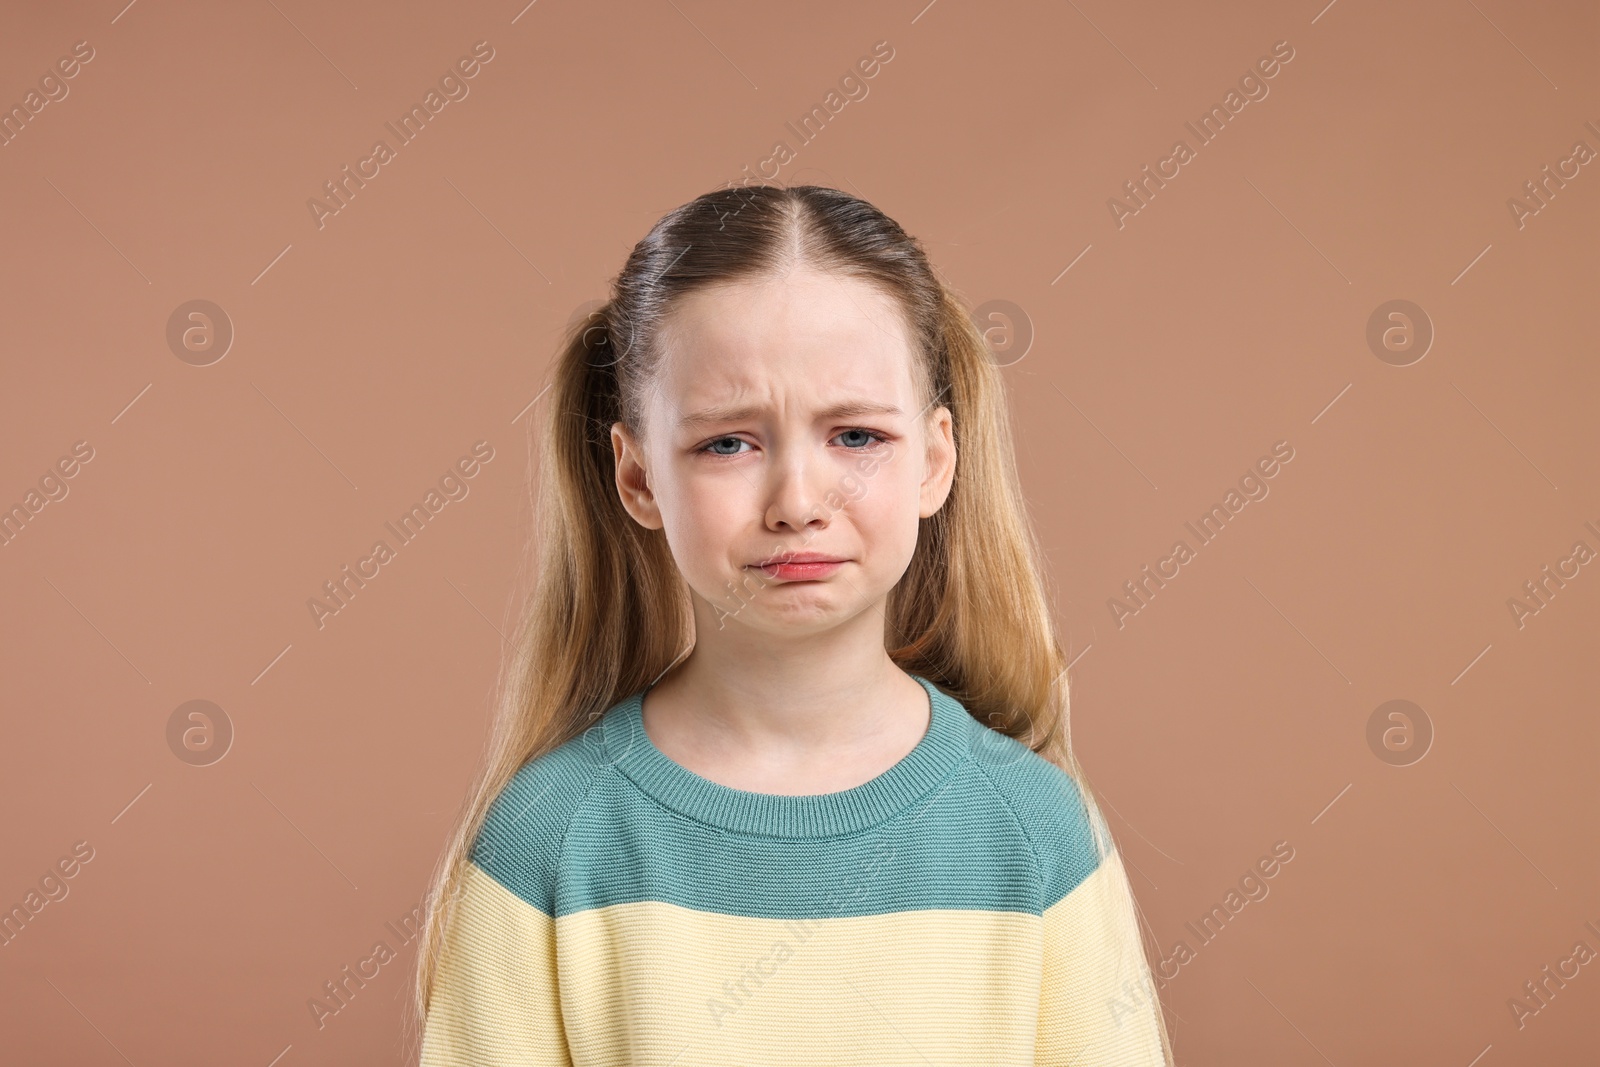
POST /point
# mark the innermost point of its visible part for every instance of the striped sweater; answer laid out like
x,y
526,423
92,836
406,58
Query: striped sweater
x,y
621,910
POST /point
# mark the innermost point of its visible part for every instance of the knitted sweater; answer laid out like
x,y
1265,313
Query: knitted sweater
x,y
621,910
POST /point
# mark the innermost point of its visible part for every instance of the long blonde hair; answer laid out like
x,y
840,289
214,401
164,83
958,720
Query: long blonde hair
x,y
609,612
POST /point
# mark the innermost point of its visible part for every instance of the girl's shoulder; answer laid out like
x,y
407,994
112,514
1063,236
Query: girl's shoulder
x,y
1069,839
520,840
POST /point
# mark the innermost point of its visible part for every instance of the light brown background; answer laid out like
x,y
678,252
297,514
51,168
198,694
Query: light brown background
x,y
1229,314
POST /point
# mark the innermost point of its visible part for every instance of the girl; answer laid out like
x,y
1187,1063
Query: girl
x,y
782,772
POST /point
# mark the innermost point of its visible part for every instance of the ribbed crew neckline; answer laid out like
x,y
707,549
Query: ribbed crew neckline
x,y
676,787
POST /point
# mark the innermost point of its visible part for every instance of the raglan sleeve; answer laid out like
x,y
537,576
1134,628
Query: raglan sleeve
x,y
495,998
1097,1003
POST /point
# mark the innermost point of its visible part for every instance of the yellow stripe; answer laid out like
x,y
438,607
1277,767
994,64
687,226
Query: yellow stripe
x,y
1097,1007
495,994
715,990
650,983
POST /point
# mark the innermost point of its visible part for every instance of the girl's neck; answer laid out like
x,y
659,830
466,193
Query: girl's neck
x,y
819,717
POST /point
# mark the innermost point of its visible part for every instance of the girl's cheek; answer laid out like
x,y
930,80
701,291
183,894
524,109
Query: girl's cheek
x,y
884,495
715,515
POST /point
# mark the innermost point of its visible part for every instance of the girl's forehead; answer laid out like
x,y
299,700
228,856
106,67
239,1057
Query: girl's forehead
x,y
786,381
800,304
779,334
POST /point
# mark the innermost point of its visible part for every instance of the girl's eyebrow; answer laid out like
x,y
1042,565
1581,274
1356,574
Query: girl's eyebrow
x,y
847,409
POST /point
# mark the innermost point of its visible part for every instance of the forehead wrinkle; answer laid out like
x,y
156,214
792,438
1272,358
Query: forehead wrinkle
x,y
869,307
736,412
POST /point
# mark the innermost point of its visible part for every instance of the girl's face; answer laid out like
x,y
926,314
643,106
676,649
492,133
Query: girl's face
x,y
785,422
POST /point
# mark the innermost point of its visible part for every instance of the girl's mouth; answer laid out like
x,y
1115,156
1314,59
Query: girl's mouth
x,y
800,567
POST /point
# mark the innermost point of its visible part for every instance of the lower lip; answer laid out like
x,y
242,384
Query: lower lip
x,y
797,572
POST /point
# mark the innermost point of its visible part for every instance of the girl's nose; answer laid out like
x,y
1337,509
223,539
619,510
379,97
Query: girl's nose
x,y
797,489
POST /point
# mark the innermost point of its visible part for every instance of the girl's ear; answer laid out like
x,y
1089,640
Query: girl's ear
x,y
633,479
939,461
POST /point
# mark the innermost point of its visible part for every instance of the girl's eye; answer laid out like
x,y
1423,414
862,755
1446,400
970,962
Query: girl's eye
x,y
721,441
872,437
